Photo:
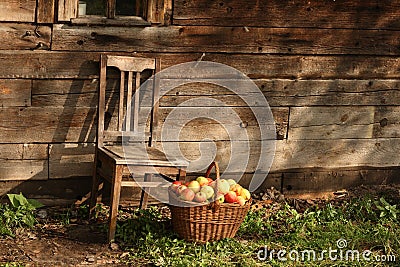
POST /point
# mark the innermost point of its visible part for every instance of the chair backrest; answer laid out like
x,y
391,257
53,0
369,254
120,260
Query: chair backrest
x,y
130,69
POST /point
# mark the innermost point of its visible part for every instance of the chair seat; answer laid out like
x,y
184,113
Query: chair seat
x,y
141,155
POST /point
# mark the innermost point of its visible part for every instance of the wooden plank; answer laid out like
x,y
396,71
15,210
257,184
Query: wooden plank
x,y
45,11
22,37
15,93
45,64
67,9
371,14
56,124
299,154
68,86
292,154
330,181
387,121
17,10
85,65
226,40
71,160
23,170
202,126
23,151
294,92
331,122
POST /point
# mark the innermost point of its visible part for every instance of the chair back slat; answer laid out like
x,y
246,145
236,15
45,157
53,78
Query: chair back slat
x,y
121,101
136,103
129,83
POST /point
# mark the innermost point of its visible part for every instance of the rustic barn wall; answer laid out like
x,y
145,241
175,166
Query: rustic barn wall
x,y
329,70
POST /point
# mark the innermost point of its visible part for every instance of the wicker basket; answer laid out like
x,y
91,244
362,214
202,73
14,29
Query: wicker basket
x,y
208,222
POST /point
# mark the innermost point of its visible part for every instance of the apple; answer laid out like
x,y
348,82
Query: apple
x,y
187,194
223,186
208,190
180,189
231,182
230,197
236,188
174,186
200,197
245,194
220,197
194,186
202,180
241,200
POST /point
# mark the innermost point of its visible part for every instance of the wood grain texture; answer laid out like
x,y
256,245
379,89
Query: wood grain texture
x,y
13,170
45,11
56,124
67,9
17,10
22,37
334,180
85,65
226,40
371,14
71,160
387,121
15,93
23,151
295,154
340,122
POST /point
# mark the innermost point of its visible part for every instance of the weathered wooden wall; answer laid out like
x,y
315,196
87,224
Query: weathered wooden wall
x,y
330,70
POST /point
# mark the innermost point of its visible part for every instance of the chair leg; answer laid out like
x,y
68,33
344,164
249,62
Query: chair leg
x,y
115,195
145,196
94,191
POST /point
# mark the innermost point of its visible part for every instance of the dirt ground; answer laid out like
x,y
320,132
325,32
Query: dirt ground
x,y
79,243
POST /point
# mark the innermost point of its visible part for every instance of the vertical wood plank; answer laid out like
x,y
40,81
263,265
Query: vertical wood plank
x,y
67,9
101,105
45,11
129,102
136,99
156,103
115,195
121,101
111,6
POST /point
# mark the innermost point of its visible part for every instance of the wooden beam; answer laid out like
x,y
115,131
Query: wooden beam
x,y
22,36
17,10
370,14
15,93
213,39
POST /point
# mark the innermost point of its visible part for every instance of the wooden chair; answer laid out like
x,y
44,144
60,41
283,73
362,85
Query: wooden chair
x,y
115,163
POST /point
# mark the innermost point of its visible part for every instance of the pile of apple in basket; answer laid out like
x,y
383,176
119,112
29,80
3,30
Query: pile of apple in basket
x,y
206,210
205,190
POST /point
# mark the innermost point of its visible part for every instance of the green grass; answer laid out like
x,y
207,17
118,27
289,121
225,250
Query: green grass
x,y
148,239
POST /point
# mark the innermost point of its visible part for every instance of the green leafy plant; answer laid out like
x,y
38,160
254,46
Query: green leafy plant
x,y
19,214
386,210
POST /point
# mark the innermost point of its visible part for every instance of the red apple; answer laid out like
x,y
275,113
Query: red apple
x,y
187,194
174,186
180,189
230,197
200,197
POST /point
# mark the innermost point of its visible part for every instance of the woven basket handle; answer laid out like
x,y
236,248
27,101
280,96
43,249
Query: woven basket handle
x,y
215,205
212,165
